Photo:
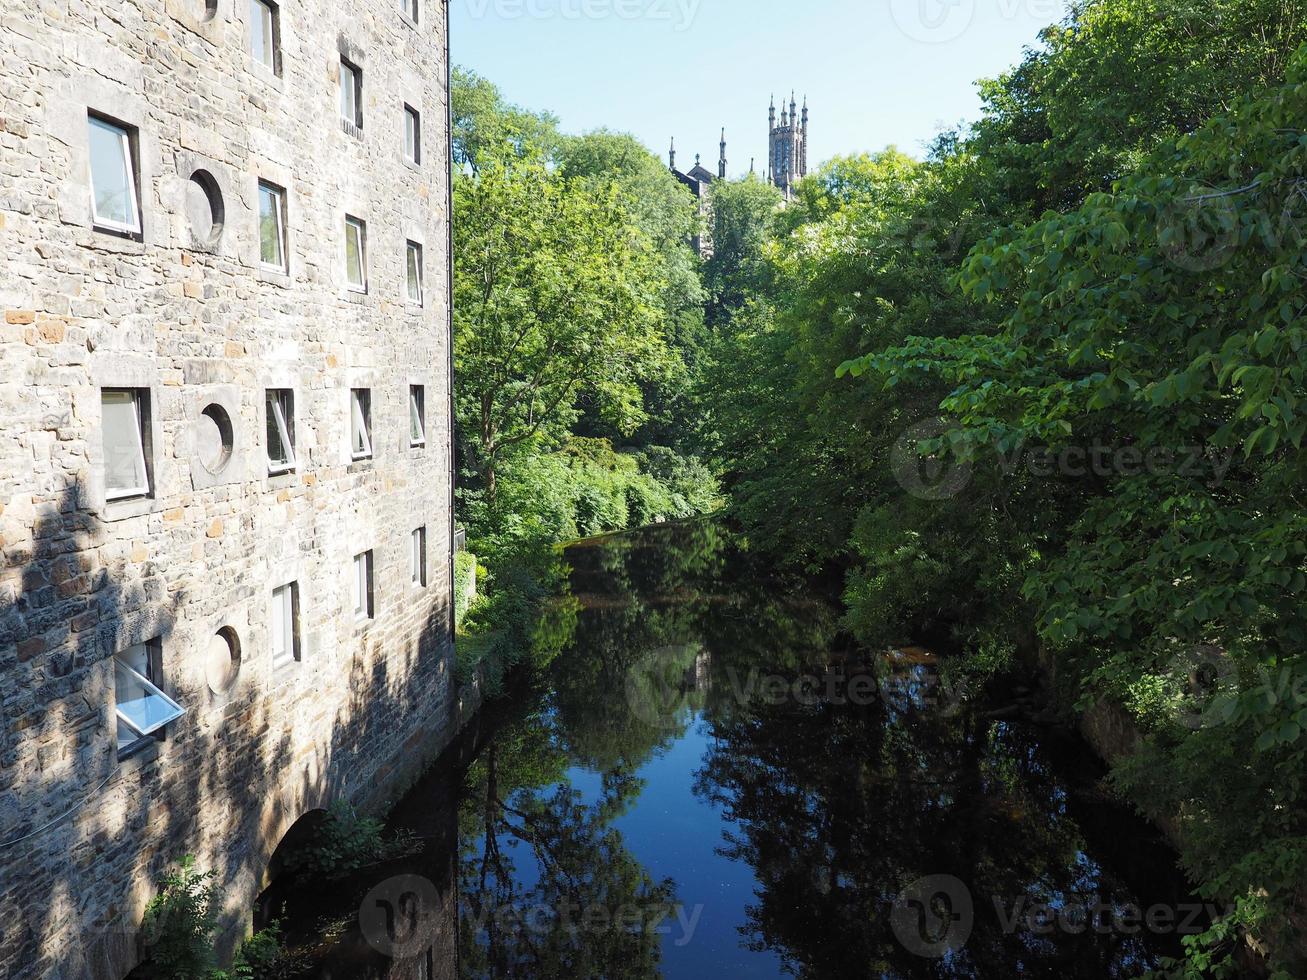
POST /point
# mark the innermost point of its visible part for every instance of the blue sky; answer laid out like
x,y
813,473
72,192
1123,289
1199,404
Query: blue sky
x,y
875,72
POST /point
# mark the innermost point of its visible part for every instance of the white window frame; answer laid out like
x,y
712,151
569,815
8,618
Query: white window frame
x,y
279,199
354,74
129,160
274,39
413,119
417,415
412,10
123,493
360,417
284,612
418,557
413,250
174,710
364,610
359,227
285,428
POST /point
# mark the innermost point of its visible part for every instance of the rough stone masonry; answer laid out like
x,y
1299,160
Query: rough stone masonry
x,y
185,312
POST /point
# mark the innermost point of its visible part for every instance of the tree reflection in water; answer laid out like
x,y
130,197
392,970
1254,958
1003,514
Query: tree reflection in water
x,y
836,803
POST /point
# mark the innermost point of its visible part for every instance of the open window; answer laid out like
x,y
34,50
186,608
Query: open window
x,y
115,202
272,227
360,423
141,708
281,430
418,558
363,608
351,93
285,625
414,264
417,415
124,414
356,254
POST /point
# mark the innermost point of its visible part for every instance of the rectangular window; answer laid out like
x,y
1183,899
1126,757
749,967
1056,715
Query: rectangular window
x,y
417,415
272,226
412,134
363,586
285,625
265,34
281,430
410,8
124,413
356,254
351,93
418,558
360,423
142,710
114,200
414,264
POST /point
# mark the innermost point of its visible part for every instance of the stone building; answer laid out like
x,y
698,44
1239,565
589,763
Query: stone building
x,y
699,181
225,475
788,147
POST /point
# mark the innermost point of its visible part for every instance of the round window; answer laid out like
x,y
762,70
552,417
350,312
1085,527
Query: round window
x,y
222,660
204,209
214,439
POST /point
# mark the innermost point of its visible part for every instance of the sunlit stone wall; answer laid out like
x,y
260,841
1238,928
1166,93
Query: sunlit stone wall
x,y
186,312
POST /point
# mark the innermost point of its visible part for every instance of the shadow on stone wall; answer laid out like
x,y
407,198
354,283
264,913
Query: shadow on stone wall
x,y
84,837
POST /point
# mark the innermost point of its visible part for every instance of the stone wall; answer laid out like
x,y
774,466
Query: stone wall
x,y
186,312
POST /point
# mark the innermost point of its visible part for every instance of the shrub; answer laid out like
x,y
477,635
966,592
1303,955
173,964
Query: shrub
x,y
344,842
179,925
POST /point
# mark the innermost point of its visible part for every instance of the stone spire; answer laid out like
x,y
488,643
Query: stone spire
x,y
721,163
671,156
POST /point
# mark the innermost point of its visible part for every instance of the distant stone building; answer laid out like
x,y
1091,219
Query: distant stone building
x,y
225,473
788,147
698,181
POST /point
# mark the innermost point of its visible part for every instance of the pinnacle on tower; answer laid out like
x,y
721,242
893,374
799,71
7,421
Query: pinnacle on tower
x,y
671,155
721,163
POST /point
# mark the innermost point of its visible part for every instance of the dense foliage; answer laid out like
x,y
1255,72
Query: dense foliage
x,y
1047,386
1044,388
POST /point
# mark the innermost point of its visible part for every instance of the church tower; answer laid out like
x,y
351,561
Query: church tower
x,y
788,146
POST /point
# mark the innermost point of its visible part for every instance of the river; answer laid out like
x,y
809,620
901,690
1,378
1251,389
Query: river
x,y
715,782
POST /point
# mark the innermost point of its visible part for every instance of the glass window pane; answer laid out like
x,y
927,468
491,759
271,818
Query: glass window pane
x,y
354,253
261,32
411,134
348,93
270,227
113,183
142,708
124,452
417,433
415,273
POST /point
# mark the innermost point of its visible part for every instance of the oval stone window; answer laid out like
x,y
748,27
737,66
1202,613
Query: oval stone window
x,y
214,439
205,212
222,660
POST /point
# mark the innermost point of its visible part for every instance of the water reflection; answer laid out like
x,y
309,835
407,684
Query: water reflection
x,y
713,783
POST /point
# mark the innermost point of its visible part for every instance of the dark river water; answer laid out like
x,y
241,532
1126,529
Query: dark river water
x,y
714,782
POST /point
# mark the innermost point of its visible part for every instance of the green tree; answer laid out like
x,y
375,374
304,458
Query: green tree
x,y
554,301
